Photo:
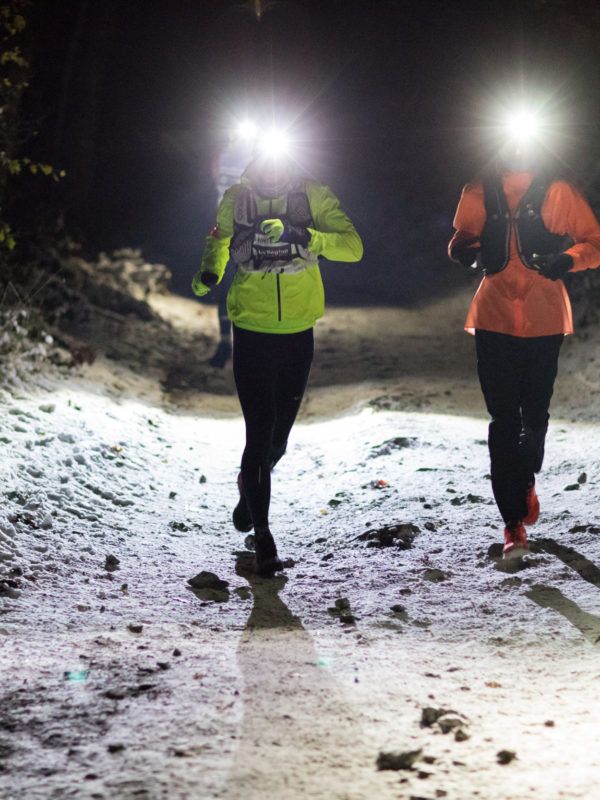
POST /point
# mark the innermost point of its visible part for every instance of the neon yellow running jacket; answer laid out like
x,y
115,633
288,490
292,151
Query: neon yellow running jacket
x,y
270,302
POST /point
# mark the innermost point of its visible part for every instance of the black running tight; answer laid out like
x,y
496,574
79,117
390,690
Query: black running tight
x,y
517,379
270,371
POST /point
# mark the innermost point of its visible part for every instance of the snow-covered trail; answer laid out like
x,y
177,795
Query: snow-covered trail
x,y
125,683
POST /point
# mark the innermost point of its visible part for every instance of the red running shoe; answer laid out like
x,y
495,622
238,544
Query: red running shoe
x,y
533,506
515,539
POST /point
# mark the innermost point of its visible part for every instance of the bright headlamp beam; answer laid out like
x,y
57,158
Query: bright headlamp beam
x,y
274,143
523,126
247,130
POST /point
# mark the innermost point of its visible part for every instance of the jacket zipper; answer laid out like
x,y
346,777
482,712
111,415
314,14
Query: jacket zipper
x,y
277,276
278,299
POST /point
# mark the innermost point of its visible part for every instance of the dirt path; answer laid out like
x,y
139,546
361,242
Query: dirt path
x,y
126,683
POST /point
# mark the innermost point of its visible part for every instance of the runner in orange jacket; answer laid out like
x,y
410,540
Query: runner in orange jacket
x,y
525,232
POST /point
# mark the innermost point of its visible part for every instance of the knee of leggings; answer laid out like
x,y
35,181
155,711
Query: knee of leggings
x,y
508,425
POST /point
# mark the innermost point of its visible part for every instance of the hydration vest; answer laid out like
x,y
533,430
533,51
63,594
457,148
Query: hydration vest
x,y
252,251
531,234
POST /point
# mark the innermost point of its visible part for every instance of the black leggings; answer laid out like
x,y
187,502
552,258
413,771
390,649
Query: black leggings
x,y
271,371
517,379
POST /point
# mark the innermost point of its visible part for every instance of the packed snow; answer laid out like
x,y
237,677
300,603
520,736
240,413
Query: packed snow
x,y
396,657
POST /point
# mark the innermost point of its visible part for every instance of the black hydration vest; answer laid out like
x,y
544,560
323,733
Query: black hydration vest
x,y
532,235
251,250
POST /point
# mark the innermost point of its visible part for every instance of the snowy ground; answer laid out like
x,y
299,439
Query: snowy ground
x,y
120,681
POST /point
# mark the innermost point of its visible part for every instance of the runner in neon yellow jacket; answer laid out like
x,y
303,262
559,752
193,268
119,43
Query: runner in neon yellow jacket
x,y
271,302
274,226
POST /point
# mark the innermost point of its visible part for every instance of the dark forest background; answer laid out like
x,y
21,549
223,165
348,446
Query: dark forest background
x,y
391,100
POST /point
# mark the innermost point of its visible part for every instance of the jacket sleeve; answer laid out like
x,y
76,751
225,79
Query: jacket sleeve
x,y
566,211
216,249
333,236
469,218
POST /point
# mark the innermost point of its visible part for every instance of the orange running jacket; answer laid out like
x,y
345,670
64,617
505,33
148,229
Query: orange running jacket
x,y
518,301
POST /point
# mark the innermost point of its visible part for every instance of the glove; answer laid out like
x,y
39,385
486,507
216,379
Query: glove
x,y
202,282
276,231
553,267
466,252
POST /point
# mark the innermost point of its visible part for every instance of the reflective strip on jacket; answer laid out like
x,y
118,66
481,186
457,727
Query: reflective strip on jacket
x,y
286,303
518,301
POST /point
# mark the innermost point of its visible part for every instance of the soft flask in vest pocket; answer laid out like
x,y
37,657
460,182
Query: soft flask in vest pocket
x,y
531,234
253,251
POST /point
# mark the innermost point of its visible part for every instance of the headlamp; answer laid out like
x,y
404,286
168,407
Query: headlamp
x,y
247,130
273,143
523,126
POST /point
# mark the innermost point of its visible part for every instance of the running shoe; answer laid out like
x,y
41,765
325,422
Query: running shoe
x,y
515,541
267,561
533,506
242,518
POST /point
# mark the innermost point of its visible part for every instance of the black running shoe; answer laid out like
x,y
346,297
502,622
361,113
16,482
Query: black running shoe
x,y
267,561
242,519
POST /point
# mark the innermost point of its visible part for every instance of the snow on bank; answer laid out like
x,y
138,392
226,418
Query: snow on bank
x,y
119,681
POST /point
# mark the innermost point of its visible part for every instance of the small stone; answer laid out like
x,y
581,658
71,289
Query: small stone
x,y
431,715
135,627
342,603
178,526
400,612
111,563
117,747
163,665
582,478
172,495
461,735
207,580
448,724
549,723
495,550
505,756
202,478
397,760
176,652
83,607
572,487
434,575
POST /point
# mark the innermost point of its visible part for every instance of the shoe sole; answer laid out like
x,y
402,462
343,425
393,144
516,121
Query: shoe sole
x,y
516,552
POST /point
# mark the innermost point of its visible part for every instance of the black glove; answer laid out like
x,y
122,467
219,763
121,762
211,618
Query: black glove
x,y
295,234
553,267
208,278
466,252
278,231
